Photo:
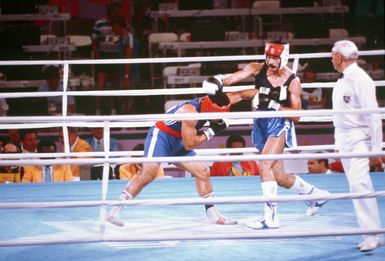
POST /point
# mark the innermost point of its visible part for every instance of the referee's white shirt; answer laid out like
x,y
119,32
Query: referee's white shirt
x,y
356,90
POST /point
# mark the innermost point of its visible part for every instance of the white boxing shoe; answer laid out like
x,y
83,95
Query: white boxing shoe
x,y
269,219
114,217
215,217
315,206
263,223
370,243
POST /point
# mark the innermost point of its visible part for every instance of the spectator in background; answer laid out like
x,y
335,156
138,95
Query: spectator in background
x,y
369,13
53,84
125,42
47,173
14,136
29,141
312,98
131,171
3,107
10,173
318,166
234,168
76,145
376,166
336,166
105,45
96,142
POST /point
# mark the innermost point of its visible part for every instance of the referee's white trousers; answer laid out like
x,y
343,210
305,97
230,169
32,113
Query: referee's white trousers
x,y
357,173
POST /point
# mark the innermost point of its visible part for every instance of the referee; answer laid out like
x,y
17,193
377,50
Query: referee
x,y
357,133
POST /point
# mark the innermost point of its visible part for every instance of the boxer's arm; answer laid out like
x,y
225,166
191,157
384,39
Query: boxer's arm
x,y
250,70
295,89
244,95
190,137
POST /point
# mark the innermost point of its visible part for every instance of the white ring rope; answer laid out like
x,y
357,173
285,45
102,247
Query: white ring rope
x,y
200,152
66,64
183,116
181,59
125,160
154,92
140,124
128,122
186,236
191,201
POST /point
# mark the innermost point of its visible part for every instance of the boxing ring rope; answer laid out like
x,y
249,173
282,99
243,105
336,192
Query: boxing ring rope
x,y
181,59
191,201
102,237
122,160
169,116
178,237
66,64
108,122
153,92
188,116
207,151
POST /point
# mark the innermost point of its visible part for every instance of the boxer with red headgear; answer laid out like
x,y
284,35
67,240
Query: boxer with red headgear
x,y
277,49
276,88
168,138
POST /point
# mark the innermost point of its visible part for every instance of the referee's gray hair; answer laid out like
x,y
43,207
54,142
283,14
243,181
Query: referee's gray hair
x,y
347,49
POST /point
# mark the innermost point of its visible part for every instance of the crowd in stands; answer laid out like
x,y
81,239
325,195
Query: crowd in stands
x,y
31,141
123,30
36,141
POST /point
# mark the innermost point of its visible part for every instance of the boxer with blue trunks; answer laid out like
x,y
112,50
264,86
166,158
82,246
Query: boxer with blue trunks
x,y
263,128
276,88
164,139
170,138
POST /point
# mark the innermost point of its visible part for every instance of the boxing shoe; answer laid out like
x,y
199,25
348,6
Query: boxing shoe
x,y
370,243
269,219
264,223
380,239
114,217
215,217
314,206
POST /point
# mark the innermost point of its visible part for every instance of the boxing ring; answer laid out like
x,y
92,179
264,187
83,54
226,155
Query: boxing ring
x,y
67,221
168,222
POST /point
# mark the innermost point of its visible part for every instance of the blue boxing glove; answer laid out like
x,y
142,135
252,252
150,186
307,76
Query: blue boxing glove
x,y
215,128
213,84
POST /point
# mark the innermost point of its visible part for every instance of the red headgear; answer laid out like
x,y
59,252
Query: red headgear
x,y
208,105
280,50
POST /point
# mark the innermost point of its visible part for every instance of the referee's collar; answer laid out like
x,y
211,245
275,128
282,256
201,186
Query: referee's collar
x,y
348,70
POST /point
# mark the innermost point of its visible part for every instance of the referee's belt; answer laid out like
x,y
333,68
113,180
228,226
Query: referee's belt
x,y
163,127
